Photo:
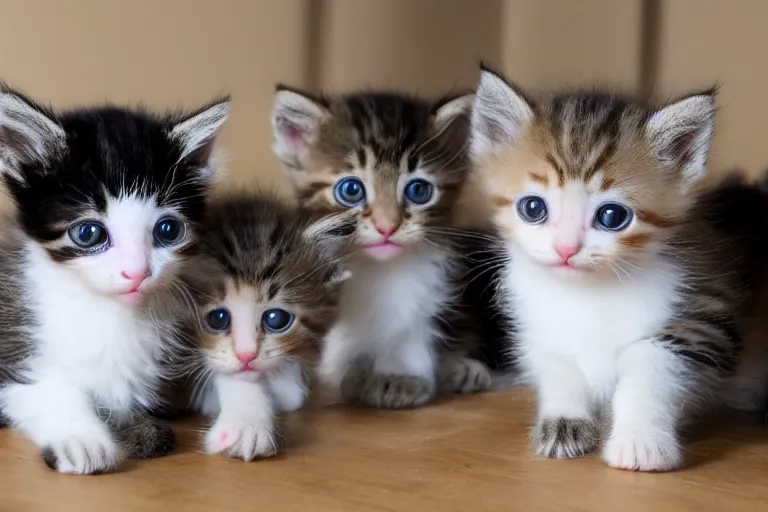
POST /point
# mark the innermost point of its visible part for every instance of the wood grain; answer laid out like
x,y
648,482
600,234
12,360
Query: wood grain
x,y
466,454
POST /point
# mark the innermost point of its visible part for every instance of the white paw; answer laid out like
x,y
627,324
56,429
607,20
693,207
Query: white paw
x,y
87,453
643,451
242,438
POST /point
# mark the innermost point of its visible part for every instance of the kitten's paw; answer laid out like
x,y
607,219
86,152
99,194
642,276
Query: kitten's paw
x,y
150,439
565,438
91,453
390,391
463,375
641,451
242,438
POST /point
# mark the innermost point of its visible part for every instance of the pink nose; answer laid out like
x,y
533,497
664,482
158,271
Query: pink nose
x,y
386,230
136,278
246,357
566,250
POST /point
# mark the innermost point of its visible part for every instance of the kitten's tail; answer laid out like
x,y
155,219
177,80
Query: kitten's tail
x,y
738,209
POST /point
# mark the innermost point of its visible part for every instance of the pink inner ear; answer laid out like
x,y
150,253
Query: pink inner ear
x,y
296,138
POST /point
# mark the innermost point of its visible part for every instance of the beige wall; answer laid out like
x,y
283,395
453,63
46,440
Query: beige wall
x,y
182,52
551,43
704,42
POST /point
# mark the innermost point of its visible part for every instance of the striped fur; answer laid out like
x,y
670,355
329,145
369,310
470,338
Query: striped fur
x,y
405,324
642,325
258,254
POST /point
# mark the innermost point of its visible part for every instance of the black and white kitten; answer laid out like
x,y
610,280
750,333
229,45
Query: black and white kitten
x,y
107,200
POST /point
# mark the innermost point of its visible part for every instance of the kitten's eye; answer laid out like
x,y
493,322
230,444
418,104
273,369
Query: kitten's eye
x,y
169,231
532,209
88,234
419,191
613,217
218,320
349,192
276,320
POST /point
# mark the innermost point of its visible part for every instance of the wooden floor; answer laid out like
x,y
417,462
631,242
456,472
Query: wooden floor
x,y
468,454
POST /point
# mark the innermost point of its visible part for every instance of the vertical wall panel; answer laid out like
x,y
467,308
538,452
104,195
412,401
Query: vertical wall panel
x,y
424,45
703,42
549,43
164,53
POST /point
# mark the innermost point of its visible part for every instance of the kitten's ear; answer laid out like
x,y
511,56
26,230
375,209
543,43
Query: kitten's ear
x,y
499,114
29,133
197,133
334,235
296,121
681,135
453,119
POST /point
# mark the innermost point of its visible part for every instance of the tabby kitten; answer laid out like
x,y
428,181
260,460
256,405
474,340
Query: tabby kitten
x,y
107,200
630,304
398,164
265,291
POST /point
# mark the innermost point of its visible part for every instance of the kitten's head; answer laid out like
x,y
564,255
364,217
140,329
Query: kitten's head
x,y
397,162
588,182
274,288
110,194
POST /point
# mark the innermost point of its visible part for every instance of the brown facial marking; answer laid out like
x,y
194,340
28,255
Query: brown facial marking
x,y
654,219
538,178
501,202
312,190
636,240
558,170
607,184
607,153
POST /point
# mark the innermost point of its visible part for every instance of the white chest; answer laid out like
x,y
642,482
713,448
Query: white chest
x,y
94,342
587,323
386,299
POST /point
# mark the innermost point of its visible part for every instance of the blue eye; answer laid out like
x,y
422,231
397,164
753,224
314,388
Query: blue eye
x,y
613,217
419,191
88,234
532,209
349,192
276,320
169,231
219,320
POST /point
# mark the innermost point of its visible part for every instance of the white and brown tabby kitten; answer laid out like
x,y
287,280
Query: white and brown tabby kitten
x,y
252,308
107,199
630,303
398,164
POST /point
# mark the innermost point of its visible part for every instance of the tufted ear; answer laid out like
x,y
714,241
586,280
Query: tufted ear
x,y
680,135
453,119
30,135
196,134
334,236
296,120
499,114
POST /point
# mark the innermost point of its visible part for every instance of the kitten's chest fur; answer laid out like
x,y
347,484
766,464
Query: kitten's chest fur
x,y
94,342
383,300
589,324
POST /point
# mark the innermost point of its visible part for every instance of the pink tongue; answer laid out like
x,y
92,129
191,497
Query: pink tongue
x,y
384,251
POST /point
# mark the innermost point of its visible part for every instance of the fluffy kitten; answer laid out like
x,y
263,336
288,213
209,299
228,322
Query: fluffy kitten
x,y
630,302
398,164
264,292
107,200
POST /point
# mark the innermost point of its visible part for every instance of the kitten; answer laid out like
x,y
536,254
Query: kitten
x,y
107,201
265,291
398,164
630,303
